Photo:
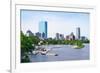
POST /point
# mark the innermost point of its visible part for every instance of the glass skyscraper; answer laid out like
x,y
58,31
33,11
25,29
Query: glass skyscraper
x,y
43,29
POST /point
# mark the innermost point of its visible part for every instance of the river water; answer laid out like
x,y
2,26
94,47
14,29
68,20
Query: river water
x,y
65,53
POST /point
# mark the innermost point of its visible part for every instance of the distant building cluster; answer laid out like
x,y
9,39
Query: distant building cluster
x,y
43,32
29,33
59,36
70,37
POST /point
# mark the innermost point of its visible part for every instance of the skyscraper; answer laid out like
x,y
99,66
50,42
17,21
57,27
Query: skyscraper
x,y
43,29
57,36
78,33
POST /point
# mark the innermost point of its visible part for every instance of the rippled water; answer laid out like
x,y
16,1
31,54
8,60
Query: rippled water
x,y
65,53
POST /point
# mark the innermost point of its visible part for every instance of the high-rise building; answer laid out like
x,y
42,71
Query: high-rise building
x,y
43,29
78,33
59,36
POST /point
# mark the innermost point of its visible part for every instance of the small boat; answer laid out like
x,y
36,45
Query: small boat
x,y
56,54
43,53
51,54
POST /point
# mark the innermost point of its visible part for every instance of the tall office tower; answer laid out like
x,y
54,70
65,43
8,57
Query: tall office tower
x,y
78,33
61,36
43,29
57,36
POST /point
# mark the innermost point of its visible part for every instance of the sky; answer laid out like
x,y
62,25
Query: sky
x,y
58,22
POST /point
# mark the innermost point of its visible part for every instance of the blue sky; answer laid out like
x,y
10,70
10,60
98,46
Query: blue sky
x,y
61,22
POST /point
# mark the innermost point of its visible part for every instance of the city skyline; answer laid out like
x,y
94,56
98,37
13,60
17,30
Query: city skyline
x,y
58,36
63,22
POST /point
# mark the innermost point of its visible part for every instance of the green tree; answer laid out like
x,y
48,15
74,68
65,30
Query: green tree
x,y
26,47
